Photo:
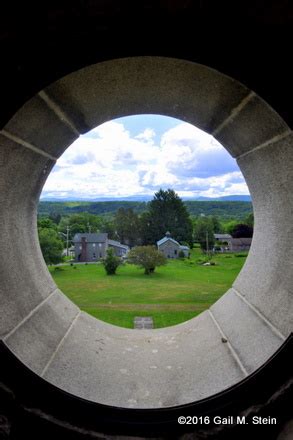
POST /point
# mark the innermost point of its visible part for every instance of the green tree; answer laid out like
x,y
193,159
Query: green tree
x,y
111,262
204,233
166,212
218,229
55,217
229,226
249,220
47,223
82,222
127,226
242,230
147,257
108,226
51,245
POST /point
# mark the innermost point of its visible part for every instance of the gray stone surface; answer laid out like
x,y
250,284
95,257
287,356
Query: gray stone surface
x,y
141,85
37,338
255,124
252,339
152,367
38,125
267,277
144,369
25,280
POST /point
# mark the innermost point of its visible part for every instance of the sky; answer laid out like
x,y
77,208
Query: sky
x,y
137,155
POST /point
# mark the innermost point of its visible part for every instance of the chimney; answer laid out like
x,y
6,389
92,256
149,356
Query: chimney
x,y
83,256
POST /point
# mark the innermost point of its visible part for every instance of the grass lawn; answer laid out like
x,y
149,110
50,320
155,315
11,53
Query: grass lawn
x,y
173,294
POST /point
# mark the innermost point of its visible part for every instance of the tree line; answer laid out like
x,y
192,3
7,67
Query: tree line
x,y
222,209
165,212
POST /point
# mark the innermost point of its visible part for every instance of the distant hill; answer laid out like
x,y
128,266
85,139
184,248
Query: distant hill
x,y
144,198
235,198
237,210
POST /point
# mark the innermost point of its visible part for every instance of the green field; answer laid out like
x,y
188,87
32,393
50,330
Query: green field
x,y
173,294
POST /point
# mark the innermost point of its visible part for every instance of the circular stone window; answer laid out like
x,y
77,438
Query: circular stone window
x,y
163,367
137,181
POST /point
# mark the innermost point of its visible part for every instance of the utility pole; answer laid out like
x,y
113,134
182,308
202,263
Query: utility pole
x,y
66,236
89,227
207,242
67,239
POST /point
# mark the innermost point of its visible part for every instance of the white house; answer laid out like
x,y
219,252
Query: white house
x,y
171,248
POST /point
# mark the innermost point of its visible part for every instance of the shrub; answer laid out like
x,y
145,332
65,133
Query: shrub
x,y
51,245
181,254
111,262
58,268
147,257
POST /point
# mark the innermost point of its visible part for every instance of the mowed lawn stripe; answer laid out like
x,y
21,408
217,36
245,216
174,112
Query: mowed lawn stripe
x,y
151,307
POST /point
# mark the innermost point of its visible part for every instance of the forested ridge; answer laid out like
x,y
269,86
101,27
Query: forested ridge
x,y
224,210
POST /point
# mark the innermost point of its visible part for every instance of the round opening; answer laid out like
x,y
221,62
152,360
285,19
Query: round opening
x,y
163,367
136,182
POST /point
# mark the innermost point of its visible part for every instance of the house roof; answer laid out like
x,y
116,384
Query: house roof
x,y
184,248
90,238
163,240
244,240
223,236
118,244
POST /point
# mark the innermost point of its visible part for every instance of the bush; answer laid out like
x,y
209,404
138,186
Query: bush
x,y
111,262
51,245
181,254
147,257
58,268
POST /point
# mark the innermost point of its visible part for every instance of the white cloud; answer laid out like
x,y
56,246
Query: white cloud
x,y
147,135
110,162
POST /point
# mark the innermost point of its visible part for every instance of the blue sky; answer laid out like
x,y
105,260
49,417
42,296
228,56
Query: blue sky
x,y
137,155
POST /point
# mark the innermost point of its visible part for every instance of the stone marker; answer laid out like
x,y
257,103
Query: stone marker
x,y
143,322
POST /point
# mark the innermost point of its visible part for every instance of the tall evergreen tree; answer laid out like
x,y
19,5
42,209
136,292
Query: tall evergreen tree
x,y
127,226
166,212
